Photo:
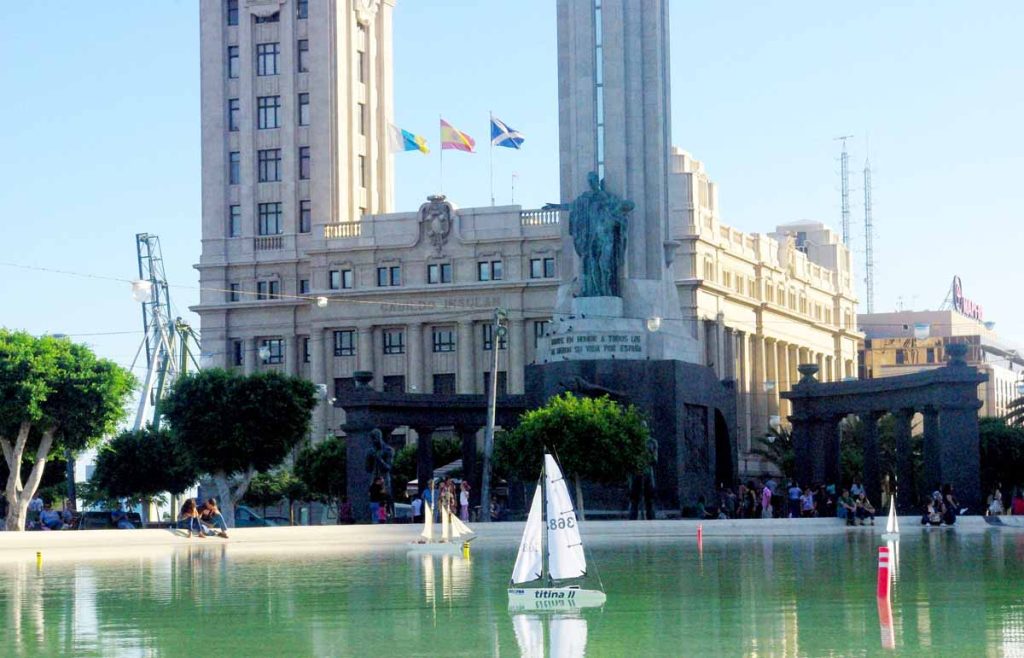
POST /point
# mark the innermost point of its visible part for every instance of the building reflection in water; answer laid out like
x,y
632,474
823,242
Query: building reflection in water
x,y
566,635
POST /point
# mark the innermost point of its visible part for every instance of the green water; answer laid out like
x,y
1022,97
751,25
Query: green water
x,y
954,595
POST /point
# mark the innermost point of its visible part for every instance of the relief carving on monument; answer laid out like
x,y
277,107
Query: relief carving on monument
x,y
366,10
436,216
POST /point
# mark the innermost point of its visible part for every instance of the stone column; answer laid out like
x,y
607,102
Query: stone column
x,y
794,358
743,386
872,472
464,381
772,373
291,359
414,358
364,349
357,443
759,416
317,369
516,355
904,464
827,436
720,355
932,464
959,461
468,437
784,383
424,456
252,353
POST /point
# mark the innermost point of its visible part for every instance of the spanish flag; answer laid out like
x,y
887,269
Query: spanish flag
x,y
451,138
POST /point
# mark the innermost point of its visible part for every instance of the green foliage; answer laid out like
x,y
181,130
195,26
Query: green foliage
x,y
1002,454
403,469
232,423
271,488
776,447
595,439
140,464
323,469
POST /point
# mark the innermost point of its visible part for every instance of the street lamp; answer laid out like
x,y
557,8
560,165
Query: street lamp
x,y
653,324
499,330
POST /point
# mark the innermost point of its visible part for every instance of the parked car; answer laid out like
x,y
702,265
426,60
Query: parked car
x,y
246,517
102,520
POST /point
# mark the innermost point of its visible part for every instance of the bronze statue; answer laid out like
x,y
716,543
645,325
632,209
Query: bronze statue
x,y
379,457
642,486
597,223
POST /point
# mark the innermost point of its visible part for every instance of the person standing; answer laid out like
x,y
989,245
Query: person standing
x,y
417,509
766,502
376,498
794,493
464,502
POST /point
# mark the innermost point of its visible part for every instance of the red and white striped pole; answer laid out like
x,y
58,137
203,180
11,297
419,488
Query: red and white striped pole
x,y
700,533
883,572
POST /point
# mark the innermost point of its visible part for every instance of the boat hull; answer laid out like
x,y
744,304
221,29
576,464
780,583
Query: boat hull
x,y
553,598
436,547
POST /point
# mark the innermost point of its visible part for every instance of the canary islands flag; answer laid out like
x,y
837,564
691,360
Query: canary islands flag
x,y
502,135
403,140
451,138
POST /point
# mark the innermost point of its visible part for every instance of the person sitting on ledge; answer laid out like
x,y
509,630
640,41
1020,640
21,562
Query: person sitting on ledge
x,y
120,519
865,510
933,511
212,519
189,518
49,518
847,508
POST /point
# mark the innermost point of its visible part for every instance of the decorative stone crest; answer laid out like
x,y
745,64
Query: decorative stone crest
x,y
436,219
263,8
366,10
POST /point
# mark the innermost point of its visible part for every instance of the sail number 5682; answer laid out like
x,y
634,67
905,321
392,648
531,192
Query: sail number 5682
x,y
561,523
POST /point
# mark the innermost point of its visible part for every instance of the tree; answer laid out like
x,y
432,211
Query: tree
x,y
235,426
594,439
54,396
403,469
1002,454
776,448
274,487
323,469
142,464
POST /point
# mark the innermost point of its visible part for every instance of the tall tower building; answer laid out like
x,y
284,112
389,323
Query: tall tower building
x,y
296,101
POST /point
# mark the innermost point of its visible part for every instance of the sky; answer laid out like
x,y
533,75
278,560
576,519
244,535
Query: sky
x,y
100,124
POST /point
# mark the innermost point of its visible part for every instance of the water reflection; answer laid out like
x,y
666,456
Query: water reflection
x,y
566,634
456,576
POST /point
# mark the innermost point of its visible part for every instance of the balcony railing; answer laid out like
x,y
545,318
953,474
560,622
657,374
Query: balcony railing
x,y
540,217
343,230
268,243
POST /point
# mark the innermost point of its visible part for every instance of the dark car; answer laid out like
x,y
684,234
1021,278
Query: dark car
x,y
105,521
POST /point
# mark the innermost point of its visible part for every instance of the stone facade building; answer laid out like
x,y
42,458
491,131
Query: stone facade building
x,y
305,269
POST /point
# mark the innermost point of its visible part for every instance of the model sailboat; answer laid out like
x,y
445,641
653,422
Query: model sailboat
x,y
892,524
552,522
454,533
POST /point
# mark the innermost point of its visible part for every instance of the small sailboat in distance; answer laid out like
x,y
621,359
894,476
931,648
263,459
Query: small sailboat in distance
x,y
551,524
892,523
454,533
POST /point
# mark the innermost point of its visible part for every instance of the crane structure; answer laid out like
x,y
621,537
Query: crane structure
x,y
169,343
869,239
844,176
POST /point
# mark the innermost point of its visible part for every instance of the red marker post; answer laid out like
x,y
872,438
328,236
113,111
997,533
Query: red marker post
x,y
883,572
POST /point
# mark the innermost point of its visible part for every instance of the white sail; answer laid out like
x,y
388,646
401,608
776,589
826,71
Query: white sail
x,y
459,529
428,522
530,560
529,635
565,548
567,637
892,525
445,523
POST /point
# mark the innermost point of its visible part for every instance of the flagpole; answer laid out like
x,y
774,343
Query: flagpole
x,y
440,143
490,153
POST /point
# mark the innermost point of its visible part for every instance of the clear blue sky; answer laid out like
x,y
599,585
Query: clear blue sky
x,y
101,135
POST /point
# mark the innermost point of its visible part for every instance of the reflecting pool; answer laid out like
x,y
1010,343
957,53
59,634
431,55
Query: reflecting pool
x,y
952,595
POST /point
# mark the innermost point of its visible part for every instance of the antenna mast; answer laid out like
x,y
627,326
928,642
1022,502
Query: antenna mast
x,y
844,173
869,249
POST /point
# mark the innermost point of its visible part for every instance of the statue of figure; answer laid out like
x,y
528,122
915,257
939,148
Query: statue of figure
x,y
598,226
642,485
379,457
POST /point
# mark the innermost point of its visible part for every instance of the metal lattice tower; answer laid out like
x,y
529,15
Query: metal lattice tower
x,y
869,249
844,177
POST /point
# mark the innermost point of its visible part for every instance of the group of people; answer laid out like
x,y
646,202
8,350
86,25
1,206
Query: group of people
x,y
768,499
995,504
449,495
202,520
942,508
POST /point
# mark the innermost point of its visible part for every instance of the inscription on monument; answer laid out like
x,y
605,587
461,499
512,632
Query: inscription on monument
x,y
598,345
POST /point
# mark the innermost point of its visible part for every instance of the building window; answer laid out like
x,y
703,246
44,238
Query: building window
x,y
302,9
394,341
540,329
389,276
232,12
237,352
930,355
272,18
362,171
302,52
304,109
361,117
444,339
439,273
342,386
234,114
234,221
233,61
234,168
274,288
305,216
305,349
266,58
261,290
268,165
267,110
339,279
234,293
901,357
488,330
304,163
345,343
489,270
303,286
272,350
502,382
542,268
444,384
269,217
361,63
346,279
394,383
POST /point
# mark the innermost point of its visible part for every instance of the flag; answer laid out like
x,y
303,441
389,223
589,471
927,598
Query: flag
x,y
403,140
502,135
455,139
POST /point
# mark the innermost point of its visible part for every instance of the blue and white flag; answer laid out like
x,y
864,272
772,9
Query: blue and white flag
x,y
502,135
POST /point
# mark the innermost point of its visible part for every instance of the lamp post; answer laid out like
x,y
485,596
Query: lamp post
x,y
498,331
